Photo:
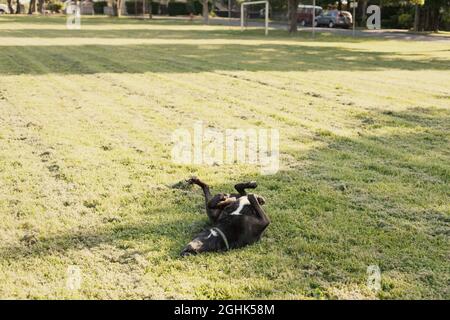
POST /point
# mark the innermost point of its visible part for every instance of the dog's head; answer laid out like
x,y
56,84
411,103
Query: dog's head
x,y
207,240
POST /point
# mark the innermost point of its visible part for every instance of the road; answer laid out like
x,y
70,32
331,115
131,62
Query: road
x,y
384,33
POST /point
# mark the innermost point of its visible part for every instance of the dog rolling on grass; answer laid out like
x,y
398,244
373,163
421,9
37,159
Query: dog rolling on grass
x,y
238,220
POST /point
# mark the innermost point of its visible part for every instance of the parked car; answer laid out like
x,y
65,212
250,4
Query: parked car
x,y
3,8
335,18
305,14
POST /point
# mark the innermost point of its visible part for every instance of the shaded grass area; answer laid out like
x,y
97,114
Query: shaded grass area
x,y
161,58
87,179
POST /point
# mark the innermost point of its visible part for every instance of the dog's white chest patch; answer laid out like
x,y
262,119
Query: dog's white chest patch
x,y
243,201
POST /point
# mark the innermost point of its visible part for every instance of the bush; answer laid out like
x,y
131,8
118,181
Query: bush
x,y
135,8
155,7
177,9
173,8
54,7
196,6
98,6
389,23
405,20
445,25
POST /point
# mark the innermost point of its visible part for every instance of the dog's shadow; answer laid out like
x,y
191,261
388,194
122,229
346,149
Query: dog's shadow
x,y
169,227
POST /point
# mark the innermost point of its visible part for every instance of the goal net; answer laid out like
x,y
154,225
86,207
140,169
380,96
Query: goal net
x,y
264,12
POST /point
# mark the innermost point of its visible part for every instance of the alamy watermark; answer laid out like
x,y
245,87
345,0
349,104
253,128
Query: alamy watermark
x,y
73,11
374,278
74,278
374,20
207,146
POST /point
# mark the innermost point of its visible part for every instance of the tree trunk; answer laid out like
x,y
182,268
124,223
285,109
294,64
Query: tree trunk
x,y
17,6
32,7
150,9
432,17
117,8
436,19
41,6
339,5
416,17
10,7
292,13
205,12
364,12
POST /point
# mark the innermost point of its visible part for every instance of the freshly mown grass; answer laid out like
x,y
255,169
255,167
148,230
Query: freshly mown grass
x,y
86,176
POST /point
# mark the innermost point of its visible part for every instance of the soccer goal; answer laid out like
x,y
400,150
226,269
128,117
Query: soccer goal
x,y
266,14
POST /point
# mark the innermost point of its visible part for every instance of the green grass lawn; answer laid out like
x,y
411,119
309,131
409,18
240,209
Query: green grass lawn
x,y
86,176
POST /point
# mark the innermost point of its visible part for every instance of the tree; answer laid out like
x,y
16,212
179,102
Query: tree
x,y
433,13
18,7
292,14
150,9
32,7
205,12
417,4
41,6
117,7
428,13
363,7
10,7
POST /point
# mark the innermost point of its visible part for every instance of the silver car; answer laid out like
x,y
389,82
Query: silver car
x,y
335,18
3,8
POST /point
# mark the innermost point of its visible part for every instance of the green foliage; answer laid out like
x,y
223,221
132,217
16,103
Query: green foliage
x,y
402,2
55,6
446,20
196,6
435,9
405,20
99,5
136,7
177,8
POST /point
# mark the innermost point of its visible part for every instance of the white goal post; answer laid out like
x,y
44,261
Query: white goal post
x,y
266,23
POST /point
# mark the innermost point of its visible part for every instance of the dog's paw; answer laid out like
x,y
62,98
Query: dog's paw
x,y
252,184
182,185
193,180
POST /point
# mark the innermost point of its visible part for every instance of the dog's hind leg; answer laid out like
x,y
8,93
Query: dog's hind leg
x,y
204,186
240,187
261,214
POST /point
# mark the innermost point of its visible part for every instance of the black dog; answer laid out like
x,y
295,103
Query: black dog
x,y
238,220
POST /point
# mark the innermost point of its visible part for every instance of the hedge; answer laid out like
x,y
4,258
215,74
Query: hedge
x,y
98,6
135,8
